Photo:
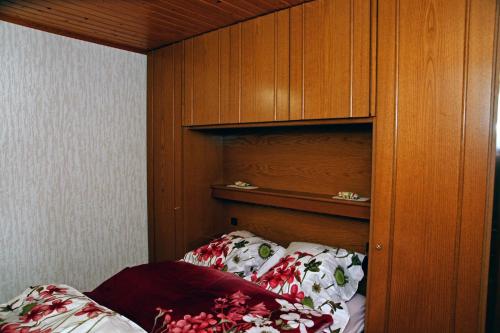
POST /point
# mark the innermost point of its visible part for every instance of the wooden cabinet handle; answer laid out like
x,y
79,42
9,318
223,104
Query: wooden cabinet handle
x,y
378,247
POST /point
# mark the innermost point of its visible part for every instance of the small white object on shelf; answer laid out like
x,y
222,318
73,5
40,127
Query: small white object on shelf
x,y
350,196
242,185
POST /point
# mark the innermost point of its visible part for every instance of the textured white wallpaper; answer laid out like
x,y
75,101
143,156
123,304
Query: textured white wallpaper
x,y
72,160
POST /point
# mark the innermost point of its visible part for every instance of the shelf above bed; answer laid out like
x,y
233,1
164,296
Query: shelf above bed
x,y
309,202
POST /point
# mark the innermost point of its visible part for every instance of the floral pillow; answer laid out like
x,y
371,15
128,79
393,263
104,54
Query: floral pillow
x,y
317,276
239,252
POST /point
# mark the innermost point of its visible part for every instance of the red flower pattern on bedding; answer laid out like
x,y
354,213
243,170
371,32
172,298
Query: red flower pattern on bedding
x,y
214,249
240,252
204,300
51,290
283,273
51,309
36,313
59,306
91,310
233,314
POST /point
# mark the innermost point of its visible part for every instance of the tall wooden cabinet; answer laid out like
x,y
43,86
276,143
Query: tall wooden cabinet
x,y
423,71
165,70
433,166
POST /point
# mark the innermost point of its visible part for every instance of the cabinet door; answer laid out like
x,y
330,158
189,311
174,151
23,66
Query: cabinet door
x,y
230,74
164,152
265,68
330,59
201,79
434,135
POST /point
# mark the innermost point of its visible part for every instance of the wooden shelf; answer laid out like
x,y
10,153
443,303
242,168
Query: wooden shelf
x,y
287,123
309,202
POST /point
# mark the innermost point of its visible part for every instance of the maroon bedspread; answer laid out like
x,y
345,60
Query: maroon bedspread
x,y
187,298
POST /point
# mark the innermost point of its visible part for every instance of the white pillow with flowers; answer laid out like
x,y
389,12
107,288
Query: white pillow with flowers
x,y
317,276
337,270
239,252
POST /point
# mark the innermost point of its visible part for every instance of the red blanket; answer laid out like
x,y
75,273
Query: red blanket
x,y
180,297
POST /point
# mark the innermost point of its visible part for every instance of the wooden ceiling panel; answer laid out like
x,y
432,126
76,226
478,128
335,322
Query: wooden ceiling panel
x,y
135,25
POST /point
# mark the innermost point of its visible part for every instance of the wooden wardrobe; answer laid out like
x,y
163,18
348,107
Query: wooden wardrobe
x,y
416,81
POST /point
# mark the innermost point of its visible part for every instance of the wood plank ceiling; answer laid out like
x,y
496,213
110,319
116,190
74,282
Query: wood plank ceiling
x,y
135,25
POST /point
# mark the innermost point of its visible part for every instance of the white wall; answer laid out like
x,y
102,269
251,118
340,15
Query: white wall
x,y
72,160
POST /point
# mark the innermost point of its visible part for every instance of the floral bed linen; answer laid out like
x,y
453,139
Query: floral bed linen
x,y
181,297
319,276
239,252
60,308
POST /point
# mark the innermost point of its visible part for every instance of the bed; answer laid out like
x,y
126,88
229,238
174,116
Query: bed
x,y
236,283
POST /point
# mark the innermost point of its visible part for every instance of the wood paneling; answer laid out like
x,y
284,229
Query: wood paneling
x,y
284,226
322,160
433,160
264,68
134,25
178,144
292,123
303,201
161,155
202,167
429,149
478,149
330,59
230,74
201,81
257,69
165,152
239,74
384,170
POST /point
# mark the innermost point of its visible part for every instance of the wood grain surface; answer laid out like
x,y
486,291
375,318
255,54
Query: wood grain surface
x,y
318,160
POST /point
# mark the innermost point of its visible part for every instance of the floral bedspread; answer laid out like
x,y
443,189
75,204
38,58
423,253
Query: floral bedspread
x,y
234,314
175,297
59,308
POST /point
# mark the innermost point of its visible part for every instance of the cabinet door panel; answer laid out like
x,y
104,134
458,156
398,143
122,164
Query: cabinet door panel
x,y
434,134
230,74
264,68
201,79
330,59
164,152
238,74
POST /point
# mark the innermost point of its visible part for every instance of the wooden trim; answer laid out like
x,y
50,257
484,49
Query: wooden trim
x,y
297,63
373,55
383,170
308,202
478,167
366,120
491,177
462,158
177,115
351,57
282,66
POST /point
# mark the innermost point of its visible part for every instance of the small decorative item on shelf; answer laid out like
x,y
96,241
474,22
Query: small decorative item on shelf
x,y
350,196
243,185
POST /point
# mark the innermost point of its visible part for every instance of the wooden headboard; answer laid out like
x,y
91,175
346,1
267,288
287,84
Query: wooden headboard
x,y
284,226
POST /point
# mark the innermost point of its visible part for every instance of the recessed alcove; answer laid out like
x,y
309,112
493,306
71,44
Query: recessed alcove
x,y
298,170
